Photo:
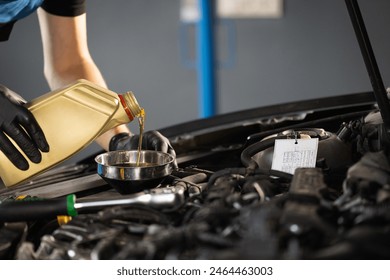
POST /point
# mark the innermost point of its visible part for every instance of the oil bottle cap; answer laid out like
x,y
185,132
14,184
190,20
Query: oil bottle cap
x,y
130,104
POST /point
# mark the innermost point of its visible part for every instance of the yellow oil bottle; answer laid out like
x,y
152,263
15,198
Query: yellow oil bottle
x,y
72,118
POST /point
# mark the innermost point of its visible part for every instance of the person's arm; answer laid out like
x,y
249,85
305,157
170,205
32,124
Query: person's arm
x,y
67,57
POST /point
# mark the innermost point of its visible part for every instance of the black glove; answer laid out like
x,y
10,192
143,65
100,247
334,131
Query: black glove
x,y
19,124
151,140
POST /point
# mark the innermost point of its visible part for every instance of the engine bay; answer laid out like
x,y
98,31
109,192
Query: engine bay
x,y
228,202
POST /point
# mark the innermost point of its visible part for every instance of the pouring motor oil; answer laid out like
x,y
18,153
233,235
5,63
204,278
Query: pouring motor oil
x,y
72,118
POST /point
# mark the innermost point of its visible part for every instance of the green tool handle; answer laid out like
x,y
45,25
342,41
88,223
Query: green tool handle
x,y
28,210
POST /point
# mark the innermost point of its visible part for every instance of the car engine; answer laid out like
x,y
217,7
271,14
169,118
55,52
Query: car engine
x,y
230,203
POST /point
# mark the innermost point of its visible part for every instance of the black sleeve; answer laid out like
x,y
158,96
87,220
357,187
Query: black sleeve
x,y
67,8
5,30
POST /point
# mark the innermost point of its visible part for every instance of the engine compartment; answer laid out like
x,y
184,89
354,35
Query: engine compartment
x,y
230,203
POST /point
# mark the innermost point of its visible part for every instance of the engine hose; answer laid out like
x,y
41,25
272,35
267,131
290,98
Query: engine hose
x,y
246,172
250,151
224,172
251,164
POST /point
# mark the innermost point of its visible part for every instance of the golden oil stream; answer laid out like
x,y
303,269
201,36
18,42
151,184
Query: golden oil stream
x,y
141,122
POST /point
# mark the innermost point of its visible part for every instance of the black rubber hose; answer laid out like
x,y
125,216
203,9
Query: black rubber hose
x,y
228,171
252,166
249,152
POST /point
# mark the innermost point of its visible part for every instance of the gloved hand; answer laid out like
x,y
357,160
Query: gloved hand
x,y
19,124
151,140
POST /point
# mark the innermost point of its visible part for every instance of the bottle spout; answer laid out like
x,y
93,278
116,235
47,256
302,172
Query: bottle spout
x,y
130,104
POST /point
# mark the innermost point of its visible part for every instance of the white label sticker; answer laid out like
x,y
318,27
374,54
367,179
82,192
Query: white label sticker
x,y
290,154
